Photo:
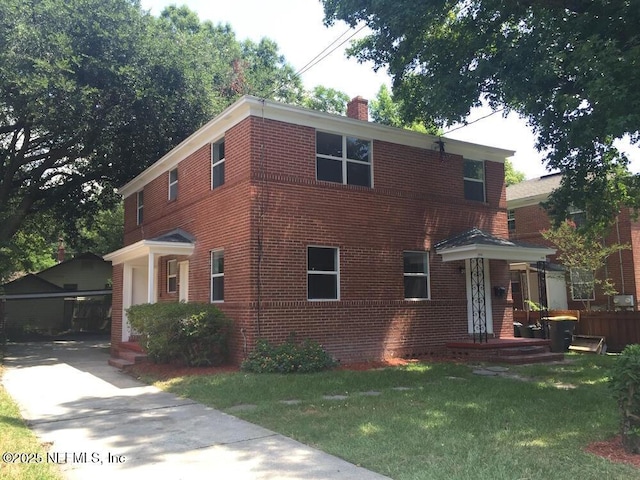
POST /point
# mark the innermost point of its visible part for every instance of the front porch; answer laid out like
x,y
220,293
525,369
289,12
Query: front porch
x,y
513,351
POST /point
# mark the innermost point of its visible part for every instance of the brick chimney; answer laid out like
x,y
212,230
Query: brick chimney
x,y
61,251
358,108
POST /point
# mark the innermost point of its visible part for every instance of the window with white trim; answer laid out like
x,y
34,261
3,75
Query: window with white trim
x,y
416,275
173,184
323,278
140,207
172,276
474,180
217,164
582,284
511,220
343,159
217,276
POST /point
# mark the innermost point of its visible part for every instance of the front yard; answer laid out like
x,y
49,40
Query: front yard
x,y
436,420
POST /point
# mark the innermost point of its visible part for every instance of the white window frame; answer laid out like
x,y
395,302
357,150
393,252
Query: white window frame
x,y
336,273
345,160
139,207
173,275
212,254
593,289
216,161
425,275
173,185
511,220
482,180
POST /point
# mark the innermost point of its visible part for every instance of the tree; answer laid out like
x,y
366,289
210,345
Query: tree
x,y
511,175
387,110
585,256
94,91
327,100
568,66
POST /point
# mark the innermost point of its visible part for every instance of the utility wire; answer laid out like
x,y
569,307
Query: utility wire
x,y
474,121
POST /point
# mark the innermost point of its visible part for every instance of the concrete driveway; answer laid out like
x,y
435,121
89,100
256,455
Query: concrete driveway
x,y
102,423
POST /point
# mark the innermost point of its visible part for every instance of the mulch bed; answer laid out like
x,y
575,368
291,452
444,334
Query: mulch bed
x,y
611,449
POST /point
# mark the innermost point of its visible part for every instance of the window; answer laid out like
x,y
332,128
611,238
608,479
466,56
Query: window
x,y
474,180
172,276
217,164
343,159
578,217
416,275
322,273
140,207
511,220
217,276
582,283
173,184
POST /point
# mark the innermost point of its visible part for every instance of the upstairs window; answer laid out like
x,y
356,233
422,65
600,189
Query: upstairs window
x,y
582,284
173,184
511,220
140,208
416,275
343,159
172,276
474,180
217,164
322,273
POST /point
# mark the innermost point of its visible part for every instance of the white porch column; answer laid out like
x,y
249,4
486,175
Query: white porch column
x,y
151,278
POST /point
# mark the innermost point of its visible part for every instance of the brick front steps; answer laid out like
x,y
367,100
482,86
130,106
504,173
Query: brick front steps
x,y
128,353
506,350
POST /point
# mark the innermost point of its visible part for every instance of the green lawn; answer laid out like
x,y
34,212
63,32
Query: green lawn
x,y
15,437
436,420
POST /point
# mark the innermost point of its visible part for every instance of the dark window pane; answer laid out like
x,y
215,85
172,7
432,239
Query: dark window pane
x,y
217,263
329,170
322,287
357,149
329,144
217,289
172,284
173,191
415,287
321,259
474,190
218,175
219,151
173,175
473,169
415,262
358,174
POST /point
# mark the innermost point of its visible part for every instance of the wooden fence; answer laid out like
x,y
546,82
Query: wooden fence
x,y
619,328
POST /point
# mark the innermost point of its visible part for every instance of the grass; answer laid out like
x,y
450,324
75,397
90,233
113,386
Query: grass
x,y
445,422
15,437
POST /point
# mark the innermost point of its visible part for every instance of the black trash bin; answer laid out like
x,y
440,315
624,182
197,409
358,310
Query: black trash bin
x,y
516,329
561,332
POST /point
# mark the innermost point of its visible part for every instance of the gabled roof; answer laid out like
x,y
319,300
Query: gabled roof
x,y
475,243
32,283
247,106
175,242
532,192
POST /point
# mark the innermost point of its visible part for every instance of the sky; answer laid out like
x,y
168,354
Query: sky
x,y
297,27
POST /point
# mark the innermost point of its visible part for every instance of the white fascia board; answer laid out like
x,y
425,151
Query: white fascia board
x,y
494,252
253,106
143,248
526,201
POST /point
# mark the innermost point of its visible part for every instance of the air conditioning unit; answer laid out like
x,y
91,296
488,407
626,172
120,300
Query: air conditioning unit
x,y
623,301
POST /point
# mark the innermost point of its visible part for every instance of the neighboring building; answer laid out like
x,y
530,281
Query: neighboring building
x,y
47,302
355,234
527,219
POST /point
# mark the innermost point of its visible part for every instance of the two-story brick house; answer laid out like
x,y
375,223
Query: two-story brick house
x,y
355,234
527,219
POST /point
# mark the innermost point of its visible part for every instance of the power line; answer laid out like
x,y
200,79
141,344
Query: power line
x,y
474,121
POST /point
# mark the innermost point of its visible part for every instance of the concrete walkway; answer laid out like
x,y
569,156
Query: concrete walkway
x,y
105,424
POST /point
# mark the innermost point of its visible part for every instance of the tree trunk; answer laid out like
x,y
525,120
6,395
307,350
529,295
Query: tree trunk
x,y
631,435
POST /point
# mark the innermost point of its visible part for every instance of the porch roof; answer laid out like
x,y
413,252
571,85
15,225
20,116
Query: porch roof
x,y
475,243
175,242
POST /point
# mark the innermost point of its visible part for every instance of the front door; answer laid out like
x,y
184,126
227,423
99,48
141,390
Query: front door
x,y
479,314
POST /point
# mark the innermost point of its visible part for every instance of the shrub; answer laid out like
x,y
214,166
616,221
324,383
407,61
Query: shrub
x,y
289,357
625,380
195,334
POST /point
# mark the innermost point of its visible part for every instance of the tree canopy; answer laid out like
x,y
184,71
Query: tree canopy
x,y
93,91
568,66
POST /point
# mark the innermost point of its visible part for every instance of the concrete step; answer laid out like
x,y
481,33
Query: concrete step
x,y
528,350
131,356
119,363
521,359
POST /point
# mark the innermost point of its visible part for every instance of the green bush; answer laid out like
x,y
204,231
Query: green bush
x,y
625,380
194,334
289,357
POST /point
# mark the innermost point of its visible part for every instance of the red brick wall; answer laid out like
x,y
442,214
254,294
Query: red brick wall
x,y
271,195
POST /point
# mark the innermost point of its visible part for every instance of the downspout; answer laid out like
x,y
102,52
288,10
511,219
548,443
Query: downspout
x,y
624,290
